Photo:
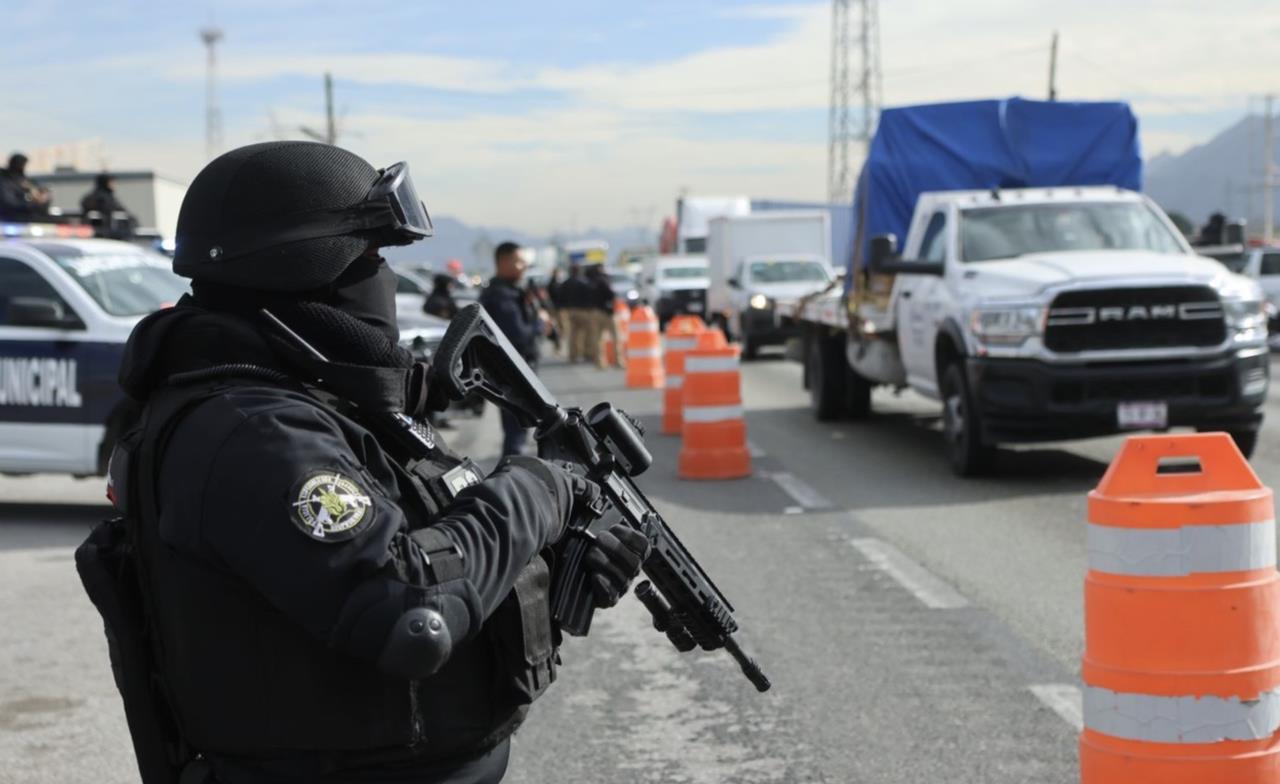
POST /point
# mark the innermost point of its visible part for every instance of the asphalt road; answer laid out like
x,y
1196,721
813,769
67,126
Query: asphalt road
x,y
916,627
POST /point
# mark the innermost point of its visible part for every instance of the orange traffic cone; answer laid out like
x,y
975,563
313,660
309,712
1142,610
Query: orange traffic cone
x,y
682,335
644,352
1182,619
714,444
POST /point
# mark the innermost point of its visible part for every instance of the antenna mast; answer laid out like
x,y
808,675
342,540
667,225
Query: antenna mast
x,y
211,35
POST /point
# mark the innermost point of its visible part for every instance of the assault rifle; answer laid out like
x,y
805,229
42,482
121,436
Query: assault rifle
x,y
607,446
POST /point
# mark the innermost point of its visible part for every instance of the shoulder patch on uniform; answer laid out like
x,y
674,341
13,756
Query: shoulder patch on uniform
x,y
331,507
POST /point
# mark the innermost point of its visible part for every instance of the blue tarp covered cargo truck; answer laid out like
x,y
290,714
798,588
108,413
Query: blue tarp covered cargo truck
x,y
1030,287
980,145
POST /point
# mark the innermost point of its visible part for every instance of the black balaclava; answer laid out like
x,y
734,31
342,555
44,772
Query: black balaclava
x,y
366,290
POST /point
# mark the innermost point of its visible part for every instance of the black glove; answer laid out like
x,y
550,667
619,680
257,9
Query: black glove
x,y
613,561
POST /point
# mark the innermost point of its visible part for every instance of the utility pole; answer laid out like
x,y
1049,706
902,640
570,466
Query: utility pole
x,y
846,91
1053,67
1268,170
211,35
330,134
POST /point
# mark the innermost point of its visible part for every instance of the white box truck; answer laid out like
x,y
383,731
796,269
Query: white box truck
x,y
694,213
755,262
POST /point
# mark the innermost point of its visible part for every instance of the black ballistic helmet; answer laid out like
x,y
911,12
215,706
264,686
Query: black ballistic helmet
x,y
291,216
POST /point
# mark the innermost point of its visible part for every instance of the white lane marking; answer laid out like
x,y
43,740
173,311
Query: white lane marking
x,y
793,510
755,451
1063,699
800,491
932,591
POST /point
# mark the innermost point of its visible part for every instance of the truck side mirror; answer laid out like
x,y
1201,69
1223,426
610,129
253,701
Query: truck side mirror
x,y
40,312
735,283
884,247
884,260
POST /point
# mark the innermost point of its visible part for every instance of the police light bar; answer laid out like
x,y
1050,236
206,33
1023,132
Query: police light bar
x,y
29,230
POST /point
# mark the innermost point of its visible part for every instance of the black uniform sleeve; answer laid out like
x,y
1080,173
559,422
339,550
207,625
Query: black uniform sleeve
x,y
309,519
503,522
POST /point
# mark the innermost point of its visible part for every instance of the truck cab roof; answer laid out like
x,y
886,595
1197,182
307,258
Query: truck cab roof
x,y
997,197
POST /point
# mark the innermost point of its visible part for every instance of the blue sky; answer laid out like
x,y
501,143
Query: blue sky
x,y
549,115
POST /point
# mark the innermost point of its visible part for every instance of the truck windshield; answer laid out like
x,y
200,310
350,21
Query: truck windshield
x,y
789,271
683,273
1009,231
132,284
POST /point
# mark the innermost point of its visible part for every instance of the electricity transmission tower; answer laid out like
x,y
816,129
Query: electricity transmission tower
x,y
211,35
849,89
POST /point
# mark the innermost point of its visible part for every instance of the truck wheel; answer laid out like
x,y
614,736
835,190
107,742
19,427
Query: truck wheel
x,y
827,393
968,454
1246,441
722,324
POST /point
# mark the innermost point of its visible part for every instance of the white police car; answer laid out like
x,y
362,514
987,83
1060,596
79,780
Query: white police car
x,y
67,306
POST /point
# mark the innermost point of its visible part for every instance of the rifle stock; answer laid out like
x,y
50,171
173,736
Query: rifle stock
x,y
607,446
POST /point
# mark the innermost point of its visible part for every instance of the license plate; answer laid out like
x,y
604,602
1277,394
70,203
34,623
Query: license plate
x,y
693,307
1143,415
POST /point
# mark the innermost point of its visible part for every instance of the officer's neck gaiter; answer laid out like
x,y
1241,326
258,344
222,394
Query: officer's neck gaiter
x,y
366,290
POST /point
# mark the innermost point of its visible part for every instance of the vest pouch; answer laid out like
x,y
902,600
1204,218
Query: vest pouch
x,y
524,637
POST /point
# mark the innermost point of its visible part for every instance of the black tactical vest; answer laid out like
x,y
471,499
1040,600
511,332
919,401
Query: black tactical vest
x,y
245,684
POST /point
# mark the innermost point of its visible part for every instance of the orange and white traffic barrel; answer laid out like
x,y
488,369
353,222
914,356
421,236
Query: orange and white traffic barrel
x,y
713,432
644,350
1182,619
609,349
682,335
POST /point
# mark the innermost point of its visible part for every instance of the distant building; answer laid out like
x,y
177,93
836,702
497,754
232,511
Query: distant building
x,y
152,198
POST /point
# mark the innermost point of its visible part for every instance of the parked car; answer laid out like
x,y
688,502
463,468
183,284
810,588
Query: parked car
x,y
675,284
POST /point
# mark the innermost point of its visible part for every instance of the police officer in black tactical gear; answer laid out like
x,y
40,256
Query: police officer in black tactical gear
x,y
322,607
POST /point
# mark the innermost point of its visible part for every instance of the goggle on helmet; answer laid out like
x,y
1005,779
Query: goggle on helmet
x,y
390,214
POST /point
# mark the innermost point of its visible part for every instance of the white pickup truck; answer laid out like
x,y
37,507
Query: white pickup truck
x,y
1042,314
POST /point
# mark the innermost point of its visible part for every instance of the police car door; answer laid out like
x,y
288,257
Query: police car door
x,y
42,412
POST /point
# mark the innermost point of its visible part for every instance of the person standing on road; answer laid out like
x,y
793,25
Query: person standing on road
x,y
440,302
324,603
575,293
515,313
559,331
602,314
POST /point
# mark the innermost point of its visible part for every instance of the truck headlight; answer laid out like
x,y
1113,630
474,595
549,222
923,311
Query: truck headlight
x,y
758,301
1007,326
1247,318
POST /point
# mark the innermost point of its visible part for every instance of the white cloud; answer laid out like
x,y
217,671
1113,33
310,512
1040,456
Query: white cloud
x,y
625,137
